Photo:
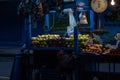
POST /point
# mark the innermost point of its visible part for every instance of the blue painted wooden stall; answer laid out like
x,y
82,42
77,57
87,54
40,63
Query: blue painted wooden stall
x,y
13,28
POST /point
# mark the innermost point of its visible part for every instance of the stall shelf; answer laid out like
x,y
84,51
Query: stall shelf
x,y
76,46
99,67
52,48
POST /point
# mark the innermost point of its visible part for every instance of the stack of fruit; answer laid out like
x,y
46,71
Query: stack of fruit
x,y
69,41
35,41
114,49
96,48
55,40
45,40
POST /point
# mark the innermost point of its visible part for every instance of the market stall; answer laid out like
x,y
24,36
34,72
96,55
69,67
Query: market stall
x,y
66,33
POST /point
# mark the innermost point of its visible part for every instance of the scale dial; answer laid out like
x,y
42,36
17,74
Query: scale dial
x,y
99,6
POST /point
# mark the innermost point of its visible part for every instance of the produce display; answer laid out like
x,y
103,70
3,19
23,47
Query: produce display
x,y
101,49
55,40
96,48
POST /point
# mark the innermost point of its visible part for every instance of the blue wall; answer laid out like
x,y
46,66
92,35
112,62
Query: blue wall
x,y
112,29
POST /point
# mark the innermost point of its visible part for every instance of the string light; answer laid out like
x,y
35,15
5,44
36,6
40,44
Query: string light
x,y
112,2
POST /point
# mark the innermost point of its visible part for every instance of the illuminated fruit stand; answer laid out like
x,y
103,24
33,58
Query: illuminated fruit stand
x,y
47,45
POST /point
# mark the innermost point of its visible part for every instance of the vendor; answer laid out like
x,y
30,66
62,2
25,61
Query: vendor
x,y
117,37
115,43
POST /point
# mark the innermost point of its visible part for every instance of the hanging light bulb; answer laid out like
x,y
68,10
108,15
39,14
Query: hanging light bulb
x,y
112,2
83,19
